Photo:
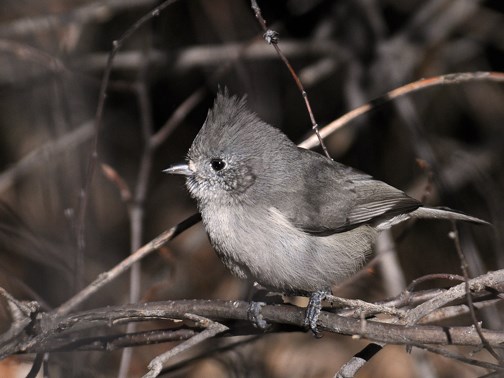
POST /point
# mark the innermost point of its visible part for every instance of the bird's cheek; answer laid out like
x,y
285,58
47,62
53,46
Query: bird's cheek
x,y
246,181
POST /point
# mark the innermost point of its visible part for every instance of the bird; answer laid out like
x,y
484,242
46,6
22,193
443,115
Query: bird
x,y
285,217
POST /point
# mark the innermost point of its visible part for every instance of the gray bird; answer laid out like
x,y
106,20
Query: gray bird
x,y
288,218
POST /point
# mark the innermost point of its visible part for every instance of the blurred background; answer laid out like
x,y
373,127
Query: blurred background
x,y
52,57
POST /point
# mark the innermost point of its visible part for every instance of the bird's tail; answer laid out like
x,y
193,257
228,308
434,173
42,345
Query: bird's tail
x,y
436,213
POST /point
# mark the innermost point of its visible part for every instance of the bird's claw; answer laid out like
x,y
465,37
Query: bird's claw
x,y
255,316
313,311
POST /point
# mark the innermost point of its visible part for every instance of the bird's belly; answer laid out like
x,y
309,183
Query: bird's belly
x,y
266,248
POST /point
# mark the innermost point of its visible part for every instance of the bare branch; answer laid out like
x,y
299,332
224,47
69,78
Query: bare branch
x,y
465,268
450,79
49,327
21,315
93,158
365,308
96,11
41,155
271,37
124,265
211,329
491,279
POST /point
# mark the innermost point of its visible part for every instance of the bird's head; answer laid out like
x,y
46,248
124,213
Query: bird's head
x,y
235,155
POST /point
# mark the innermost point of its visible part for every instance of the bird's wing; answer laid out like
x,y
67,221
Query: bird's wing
x,y
336,198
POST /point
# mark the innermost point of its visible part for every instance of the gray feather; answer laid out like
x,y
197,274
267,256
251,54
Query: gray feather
x,y
286,217
448,214
336,198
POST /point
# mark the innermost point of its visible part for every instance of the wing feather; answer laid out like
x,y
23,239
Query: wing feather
x,y
332,197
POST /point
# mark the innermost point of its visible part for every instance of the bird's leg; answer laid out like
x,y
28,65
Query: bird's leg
x,y
313,310
258,297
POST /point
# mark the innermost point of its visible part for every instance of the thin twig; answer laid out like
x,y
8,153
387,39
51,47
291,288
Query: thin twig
x,y
465,270
365,307
83,342
449,312
42,154
93,158
211,329
114,177
455,78
19,310
405,299
107,343
177,117
210,352
106,277
136,208
209,55
435,276
21,313
461,358
271,37
483,282
87,12
29,53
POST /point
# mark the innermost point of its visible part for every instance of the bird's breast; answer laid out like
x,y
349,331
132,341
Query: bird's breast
x,y
261,244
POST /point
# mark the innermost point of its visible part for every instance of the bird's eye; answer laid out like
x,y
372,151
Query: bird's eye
x,y
217,164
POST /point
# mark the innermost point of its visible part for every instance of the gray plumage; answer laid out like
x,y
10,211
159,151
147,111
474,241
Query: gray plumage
x,y
283,216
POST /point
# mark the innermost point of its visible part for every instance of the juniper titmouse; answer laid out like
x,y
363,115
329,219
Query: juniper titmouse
x,y
288,218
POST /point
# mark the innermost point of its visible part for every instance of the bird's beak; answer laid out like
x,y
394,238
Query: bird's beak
x,y
179,169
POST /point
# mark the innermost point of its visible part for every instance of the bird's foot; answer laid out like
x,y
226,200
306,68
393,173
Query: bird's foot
x,y
255,316
313,311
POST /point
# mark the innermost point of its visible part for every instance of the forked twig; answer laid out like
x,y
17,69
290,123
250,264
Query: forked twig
x,y
465,270
211,329
271,37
